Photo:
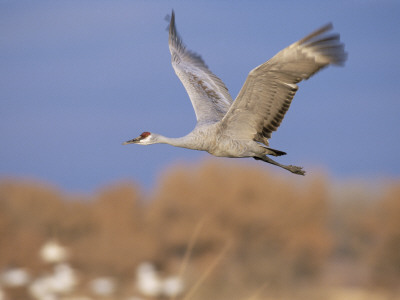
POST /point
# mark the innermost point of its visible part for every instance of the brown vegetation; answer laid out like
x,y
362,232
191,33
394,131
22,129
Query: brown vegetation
x,y
283,231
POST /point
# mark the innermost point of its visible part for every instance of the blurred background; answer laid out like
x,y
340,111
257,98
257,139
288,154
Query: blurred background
x,y
82,217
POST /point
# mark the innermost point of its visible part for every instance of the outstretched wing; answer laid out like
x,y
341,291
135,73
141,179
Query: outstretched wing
x,y
269,89
209,95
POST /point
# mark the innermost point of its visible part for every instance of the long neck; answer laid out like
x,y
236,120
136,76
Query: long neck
x,y
183,142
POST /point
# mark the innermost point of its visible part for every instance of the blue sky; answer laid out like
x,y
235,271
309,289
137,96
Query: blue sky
x,y
77,78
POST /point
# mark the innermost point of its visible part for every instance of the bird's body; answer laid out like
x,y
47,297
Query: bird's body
x,y
212,139
241,128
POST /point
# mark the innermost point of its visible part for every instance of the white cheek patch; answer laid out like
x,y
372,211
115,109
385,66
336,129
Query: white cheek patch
x,y
145,140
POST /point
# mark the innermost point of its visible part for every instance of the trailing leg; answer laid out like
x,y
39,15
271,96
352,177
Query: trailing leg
x,y
293,169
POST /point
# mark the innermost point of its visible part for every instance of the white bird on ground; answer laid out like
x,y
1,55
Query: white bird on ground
x,y
150,284
172,287
15,277
103,286
242,128
62,281
147,280
53,252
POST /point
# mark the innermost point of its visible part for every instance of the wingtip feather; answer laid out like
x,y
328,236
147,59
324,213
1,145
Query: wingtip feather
x,y
317,32
172,23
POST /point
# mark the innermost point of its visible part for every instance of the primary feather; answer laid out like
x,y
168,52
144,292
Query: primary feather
x,y
209,95
269,89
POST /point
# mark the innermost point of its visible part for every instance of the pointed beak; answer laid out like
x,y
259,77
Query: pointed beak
x,y
133,141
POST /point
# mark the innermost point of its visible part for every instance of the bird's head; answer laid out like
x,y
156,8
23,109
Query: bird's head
x,y
146,138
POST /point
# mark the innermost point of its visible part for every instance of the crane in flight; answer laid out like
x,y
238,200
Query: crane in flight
x,y
242,128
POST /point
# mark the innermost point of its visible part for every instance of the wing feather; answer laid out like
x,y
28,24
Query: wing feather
x,y
269,88
209,96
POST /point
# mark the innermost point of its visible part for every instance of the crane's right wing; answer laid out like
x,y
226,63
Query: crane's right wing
x,y
269,89
209,95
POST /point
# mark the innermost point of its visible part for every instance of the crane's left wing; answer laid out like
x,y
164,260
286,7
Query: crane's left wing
x,y
269,89
209,95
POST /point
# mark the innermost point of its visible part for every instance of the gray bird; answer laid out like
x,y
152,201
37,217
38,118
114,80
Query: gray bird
x,y
242,128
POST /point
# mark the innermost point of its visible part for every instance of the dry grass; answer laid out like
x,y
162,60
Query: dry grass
x,y
284,236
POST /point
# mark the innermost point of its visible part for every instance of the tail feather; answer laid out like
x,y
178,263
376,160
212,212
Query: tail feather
x,y
275,152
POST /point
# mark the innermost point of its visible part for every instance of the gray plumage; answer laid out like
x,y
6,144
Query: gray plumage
x,y
242,128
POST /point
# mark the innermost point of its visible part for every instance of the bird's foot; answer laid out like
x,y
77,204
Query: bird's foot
x,y
296,170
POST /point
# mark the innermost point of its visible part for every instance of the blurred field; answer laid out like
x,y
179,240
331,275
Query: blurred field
x,y
286,237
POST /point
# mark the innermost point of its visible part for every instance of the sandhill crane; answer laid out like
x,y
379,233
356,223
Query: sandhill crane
x,y
242,128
